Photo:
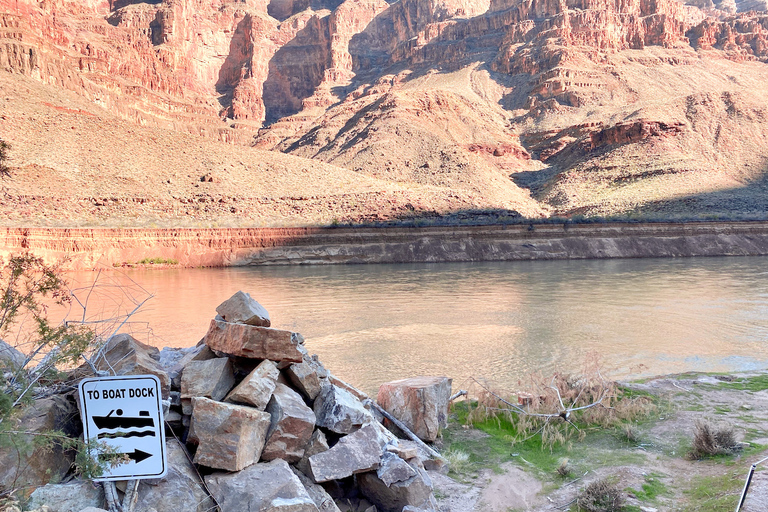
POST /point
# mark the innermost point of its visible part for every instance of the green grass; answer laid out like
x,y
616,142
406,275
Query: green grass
x,y
157,261
652,489
714,493
757,383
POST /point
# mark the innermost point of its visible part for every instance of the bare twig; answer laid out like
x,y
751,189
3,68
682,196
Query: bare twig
x,y
461,392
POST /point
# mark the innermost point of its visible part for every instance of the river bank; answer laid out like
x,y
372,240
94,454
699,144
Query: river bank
x,y
90,248
496,469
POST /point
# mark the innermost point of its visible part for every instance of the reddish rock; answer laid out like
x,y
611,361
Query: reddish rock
x,y
253,342
256,389
292,423
421,403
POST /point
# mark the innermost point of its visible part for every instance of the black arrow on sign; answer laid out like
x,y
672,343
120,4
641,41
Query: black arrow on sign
x,y
136,456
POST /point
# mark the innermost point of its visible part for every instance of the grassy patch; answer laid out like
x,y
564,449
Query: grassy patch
x,y
652,489
714,493
158,261
757,383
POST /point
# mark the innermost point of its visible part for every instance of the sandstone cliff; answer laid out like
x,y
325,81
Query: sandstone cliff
x,y
534,107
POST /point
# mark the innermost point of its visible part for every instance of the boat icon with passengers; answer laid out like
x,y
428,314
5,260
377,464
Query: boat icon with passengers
x,y
119,421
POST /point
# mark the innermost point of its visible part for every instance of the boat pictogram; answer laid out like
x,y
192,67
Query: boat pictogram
x,y
120,421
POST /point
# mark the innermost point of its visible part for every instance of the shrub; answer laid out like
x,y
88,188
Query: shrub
x,y
4,147
709,442
601,496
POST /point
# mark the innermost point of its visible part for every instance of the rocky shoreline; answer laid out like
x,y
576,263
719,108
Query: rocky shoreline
x,y
253,422
90,248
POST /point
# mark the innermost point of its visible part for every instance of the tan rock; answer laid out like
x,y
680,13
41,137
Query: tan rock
x,y
291,425
230,437
212,378
317,444
256,389
124,355
253,342
307,376
421,403
242,309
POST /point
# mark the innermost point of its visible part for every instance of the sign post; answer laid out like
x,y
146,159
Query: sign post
x,y
124,417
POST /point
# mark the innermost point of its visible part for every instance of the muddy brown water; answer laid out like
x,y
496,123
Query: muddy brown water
x,y
499,321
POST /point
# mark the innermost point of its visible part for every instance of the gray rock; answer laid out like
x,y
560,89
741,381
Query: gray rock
x,y
355,453
340,411
173,361
93,509
262,487
393,469
27,463
126,356
179,489
256,389
308,376
421,403
414,492
317,444
291,425
253,342
320,496
242,309
212,379
71,497
230,436
11,357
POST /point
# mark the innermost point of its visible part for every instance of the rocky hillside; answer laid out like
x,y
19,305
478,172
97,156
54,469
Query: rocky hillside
x,y
148,110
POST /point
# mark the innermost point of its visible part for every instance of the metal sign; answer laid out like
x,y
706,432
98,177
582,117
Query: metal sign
x,y
123,419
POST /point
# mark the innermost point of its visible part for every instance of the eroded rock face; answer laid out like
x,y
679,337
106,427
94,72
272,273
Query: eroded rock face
x,y
253,342
268,487
421,403
229,436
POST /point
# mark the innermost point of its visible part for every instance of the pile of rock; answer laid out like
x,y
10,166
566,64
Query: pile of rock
x,y
271,429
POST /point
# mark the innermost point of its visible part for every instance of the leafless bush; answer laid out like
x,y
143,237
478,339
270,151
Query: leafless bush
x,y
709,441
601,496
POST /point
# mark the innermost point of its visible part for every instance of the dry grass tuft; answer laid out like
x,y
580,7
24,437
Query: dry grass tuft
x,y
601,496
708,441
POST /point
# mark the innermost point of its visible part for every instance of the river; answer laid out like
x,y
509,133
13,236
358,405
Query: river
x,y
495,321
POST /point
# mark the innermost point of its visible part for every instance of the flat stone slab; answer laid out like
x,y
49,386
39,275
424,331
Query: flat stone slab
x,y
230,436
358,452
253,342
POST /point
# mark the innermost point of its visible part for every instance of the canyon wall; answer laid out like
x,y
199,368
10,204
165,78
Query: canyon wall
x,y
81,249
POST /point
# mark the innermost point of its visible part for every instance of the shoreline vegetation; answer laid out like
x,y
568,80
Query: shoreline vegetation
x,y
658,451
91,248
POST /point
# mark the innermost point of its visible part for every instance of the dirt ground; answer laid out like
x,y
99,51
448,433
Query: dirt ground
x,y
659,453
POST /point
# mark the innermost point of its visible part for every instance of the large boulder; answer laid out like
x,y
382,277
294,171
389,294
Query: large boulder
x,y
340,411
173,360
72,497
263,487
256,388
179,489
124,355
355,453
229,436
415,491
291,425
421,403
27,463
212,379
242,309
253,342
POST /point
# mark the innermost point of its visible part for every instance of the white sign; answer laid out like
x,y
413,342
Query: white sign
x,y
125,416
